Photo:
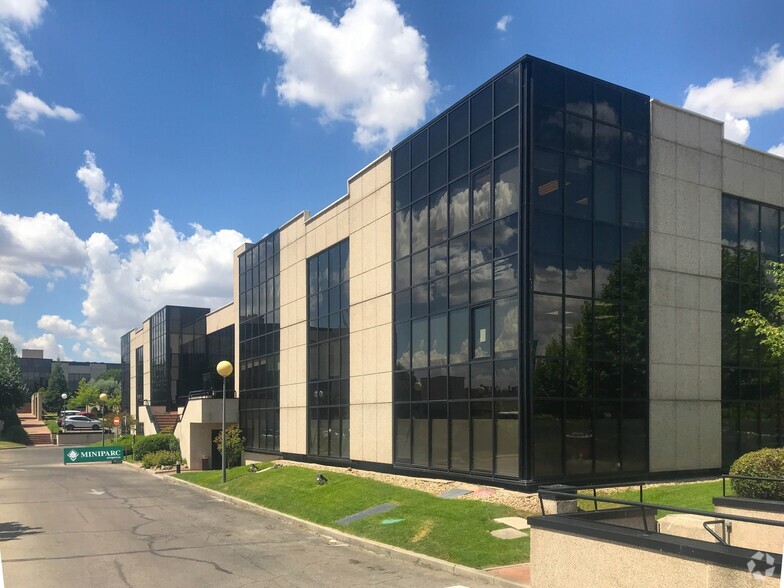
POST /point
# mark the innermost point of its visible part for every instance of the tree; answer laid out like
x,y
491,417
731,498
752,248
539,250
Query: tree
x,y
88,394
56,388
767,325
115,375
13,390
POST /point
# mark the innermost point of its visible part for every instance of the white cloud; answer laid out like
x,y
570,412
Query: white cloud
x,y
47,342
755,93
503,22
26,109
61,327
20,56
22,15
13,289
26,13
94,181
7,329
369,67
132,239
777,150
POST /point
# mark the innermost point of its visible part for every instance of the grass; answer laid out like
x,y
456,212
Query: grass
x,y
697,495
454,530
9,445
52,425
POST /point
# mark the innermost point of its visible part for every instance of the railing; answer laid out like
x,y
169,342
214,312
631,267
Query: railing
x,y
726,477
652,506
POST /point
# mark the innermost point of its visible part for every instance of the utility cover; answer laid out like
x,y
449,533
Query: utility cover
x,y
368,512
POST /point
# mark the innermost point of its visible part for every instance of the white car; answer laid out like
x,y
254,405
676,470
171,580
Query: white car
x,y
81,422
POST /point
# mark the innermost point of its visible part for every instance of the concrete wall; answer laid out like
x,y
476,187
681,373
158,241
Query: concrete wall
x,y
752,535
221,318
563,560
364,217
691,166
199,419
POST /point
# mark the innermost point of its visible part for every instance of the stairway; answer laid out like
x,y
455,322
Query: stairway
x,y
167,421
40,438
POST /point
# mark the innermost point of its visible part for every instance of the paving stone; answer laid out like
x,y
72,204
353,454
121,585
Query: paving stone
x,y
368,512
391,521
484,492
518,523
507,533
454,493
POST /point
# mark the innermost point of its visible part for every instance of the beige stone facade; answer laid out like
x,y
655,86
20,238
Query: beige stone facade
x,y
691,166
364,217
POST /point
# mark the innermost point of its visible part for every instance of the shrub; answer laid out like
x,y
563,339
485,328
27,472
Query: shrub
x,y
234,444
768,463
152,443
15,434
126,442
9,418
157,459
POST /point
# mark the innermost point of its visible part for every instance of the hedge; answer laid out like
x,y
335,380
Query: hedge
x,y
153,443
768,463
161,459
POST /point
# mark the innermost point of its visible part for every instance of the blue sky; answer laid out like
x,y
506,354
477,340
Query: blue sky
x,y
184,106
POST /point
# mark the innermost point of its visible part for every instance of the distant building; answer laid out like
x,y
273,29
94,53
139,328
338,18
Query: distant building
x,y
36,370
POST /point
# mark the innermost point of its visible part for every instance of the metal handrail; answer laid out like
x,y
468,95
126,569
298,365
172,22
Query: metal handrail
x,y
652,505
726,477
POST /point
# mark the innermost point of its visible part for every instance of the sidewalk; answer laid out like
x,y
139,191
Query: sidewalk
x,y
37,430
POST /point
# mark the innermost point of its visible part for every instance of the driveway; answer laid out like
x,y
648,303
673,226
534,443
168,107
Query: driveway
x,y
108,525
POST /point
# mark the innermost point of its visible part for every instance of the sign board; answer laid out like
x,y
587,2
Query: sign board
x,y
116,421
89,454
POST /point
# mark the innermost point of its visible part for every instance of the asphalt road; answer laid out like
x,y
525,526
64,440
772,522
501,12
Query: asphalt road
x,y
108,525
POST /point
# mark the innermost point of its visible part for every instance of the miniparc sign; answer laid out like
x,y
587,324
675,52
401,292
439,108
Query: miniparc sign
x,y
88,454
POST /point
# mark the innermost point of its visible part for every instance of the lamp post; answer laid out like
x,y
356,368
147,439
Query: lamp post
x,y
224,369
103,396
61,418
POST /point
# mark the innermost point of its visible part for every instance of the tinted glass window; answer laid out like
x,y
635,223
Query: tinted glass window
x,y
403,273
507,132
438,216
547,171
481,146
505,236
419,225
458,336
578,238
402,191
458,207
579,136
458,122
481,108
419,266
506,91
608,104
548,128
547,234
438,296
438,175
438,260
548,85
481,336
608,143
729,222
482,208
606,198
507,184
505,277
418,149
482,245
481,283
579,95
548,274
458,159
419,182
402,158
548,325
439,136
749,225
634,195
458,253
419,343
458,289
636,111
578,193
635,151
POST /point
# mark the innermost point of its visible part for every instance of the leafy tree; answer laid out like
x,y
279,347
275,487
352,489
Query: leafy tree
x,y
58,386
13,390
767,323
234,444
115,375
88,394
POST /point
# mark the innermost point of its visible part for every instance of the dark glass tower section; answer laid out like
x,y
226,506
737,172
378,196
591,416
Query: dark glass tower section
x,y
521,288
328,353
259,369
750,376
125,371
139,375
166,332
199,355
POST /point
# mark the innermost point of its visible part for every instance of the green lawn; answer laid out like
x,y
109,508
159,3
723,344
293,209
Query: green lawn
x,y
454,530
52,425
9,445
698,495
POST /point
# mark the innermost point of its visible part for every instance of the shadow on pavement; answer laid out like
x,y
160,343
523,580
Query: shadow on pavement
x,y
9,531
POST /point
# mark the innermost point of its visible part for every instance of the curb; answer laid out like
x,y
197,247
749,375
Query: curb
x,y
390,551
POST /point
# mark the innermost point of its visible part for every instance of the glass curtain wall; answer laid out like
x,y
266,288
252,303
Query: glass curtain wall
x,y
328,353
588,202
259,369
139,375
751,377
159,359
457,322
125,373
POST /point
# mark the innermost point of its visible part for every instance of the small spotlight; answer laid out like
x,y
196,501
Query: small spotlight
x,y
321,480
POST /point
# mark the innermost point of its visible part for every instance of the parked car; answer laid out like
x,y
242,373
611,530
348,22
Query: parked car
x,y
64,414
81,422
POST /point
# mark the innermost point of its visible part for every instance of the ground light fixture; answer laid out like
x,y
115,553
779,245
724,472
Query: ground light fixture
x,y
224,369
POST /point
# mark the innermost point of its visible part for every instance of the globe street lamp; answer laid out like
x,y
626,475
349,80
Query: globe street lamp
x,y
102,397
64,396
224,369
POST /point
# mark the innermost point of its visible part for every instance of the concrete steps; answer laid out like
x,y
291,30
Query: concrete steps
x,y
167,421
40,438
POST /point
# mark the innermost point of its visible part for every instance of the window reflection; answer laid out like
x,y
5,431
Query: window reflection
x,y
506,327
547,181
507,184
458,207
480,329
482,205
438,216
